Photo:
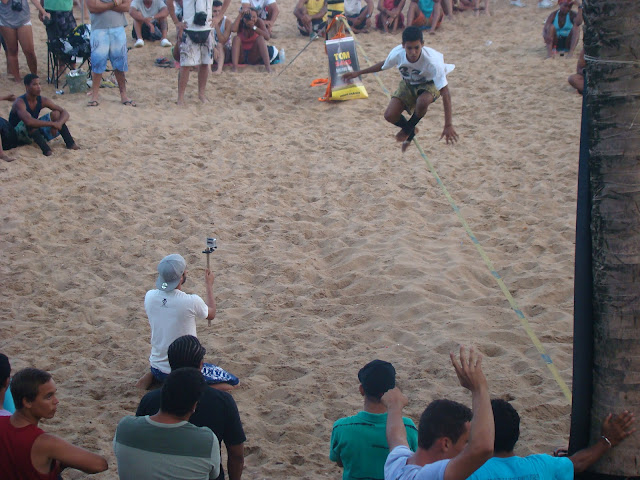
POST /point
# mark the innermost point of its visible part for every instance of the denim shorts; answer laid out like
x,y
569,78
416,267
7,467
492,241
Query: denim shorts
x,y
109,44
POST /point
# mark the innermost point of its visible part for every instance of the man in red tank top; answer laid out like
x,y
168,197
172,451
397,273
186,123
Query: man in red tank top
x,y
26,451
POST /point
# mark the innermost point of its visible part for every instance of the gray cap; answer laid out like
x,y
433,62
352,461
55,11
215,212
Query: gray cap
x,y
170,270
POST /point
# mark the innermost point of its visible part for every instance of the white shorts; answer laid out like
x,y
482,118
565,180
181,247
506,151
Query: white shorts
x,y
193,54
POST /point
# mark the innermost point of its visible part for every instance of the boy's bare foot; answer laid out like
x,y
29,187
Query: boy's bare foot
x,y
6,157
405,145
203,99
74,147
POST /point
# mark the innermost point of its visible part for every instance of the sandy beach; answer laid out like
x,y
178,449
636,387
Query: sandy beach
x,y
334,248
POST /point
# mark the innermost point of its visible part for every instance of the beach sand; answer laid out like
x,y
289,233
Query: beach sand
x,y
334,248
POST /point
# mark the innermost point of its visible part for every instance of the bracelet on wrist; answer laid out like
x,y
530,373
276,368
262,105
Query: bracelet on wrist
x,y
606,440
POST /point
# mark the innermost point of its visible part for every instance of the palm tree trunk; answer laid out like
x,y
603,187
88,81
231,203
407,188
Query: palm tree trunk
x,y
612,49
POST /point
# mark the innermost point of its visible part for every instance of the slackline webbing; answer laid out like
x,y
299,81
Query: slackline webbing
x,y
514,306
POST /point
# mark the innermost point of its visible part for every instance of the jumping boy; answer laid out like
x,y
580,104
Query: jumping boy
x,y
423,81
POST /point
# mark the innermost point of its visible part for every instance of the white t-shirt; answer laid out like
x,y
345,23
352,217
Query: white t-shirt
x,y
171,315
430,66
189,9
154,9
396,468
260,5
352,7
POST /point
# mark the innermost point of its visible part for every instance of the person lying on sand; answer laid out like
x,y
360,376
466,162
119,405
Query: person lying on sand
x,y
424,80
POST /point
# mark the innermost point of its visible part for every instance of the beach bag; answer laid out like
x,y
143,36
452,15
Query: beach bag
x,y
9,137
198,36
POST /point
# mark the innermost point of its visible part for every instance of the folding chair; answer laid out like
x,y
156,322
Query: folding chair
x,y
62,54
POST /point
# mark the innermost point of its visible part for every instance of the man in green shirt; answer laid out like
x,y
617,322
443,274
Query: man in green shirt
x,y
359,443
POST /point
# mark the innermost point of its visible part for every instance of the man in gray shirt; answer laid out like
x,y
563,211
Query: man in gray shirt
x,y
108,42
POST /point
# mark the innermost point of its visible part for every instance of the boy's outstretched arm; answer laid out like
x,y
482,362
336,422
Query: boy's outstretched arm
x,y
372,69
449,132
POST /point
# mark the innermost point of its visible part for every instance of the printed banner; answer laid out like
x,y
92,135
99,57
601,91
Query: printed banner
x,y
342,59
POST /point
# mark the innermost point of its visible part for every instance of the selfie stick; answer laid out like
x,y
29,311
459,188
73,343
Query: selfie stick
x,y
211,246
313,37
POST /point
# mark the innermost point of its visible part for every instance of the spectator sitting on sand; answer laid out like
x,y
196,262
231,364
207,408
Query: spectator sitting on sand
x,y
577,79
216,410
452,442
222,35
29,127
562,29
427,14
165,444
310,14
359,443
249,46
149,20
505,464
267,11
390,16
359,17
26,451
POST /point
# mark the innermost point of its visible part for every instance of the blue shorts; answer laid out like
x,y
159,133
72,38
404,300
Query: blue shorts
x,y
212,374
109,44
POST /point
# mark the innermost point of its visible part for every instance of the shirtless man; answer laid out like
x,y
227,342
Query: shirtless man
x,y
562,29
26,451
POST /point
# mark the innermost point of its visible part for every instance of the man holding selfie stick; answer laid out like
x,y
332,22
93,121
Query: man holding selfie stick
x,y
172,313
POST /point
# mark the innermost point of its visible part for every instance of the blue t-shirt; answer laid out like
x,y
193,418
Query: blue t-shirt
x,y
426,6
533,467
8,401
